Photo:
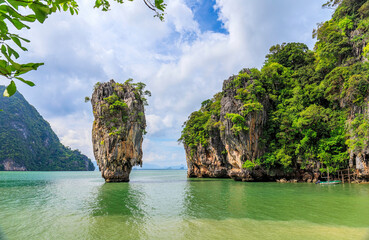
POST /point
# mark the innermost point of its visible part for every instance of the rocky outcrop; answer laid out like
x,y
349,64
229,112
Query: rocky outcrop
x,y
243,145
208,161
303,115
10,165
359,154
227,150
118,129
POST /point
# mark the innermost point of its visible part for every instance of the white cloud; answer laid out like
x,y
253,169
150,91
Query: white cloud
x,y
181,65
74,131
181,17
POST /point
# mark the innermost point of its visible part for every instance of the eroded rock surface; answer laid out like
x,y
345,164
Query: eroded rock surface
x,y
229,145
303,116
118,128
226,151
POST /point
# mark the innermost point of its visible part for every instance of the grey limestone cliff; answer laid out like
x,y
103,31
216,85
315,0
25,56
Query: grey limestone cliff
x,y
226,151
118,128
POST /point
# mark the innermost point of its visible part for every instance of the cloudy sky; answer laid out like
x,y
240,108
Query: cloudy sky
x,y
183,60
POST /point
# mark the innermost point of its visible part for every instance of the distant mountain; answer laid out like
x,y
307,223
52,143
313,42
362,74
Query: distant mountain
x,y
149,166
27,142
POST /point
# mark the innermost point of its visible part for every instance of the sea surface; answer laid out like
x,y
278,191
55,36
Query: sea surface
x,y
166,205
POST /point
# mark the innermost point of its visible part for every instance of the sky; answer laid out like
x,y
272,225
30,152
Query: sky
x,y
183,60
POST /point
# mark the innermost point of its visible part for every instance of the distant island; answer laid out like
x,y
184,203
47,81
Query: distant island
x,y
27,142
150,166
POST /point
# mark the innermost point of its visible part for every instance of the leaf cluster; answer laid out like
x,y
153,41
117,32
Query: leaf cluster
x,y
158,6
20,13
13,12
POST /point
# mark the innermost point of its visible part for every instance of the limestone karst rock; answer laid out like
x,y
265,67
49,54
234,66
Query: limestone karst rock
x,y
118,128
224,152
303,115
221,138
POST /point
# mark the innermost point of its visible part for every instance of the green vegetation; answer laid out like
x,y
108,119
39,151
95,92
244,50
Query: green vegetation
x,y
239,122
19,13
115,104
115,109
28,140
316,101
200,123
248,164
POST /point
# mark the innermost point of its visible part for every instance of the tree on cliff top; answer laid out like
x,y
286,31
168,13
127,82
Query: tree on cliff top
x,y
21,12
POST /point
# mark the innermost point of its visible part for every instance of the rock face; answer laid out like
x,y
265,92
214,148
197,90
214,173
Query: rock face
x,y
226,151
10,165
243,145
228,147
359,155
303,114
118,129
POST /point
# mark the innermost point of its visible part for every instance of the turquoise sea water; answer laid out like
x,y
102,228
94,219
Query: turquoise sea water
x,y
167,205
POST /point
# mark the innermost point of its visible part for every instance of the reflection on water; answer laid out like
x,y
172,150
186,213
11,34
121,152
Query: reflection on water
x,y
214,198
166,205
2,235
118,211
223,199
119,199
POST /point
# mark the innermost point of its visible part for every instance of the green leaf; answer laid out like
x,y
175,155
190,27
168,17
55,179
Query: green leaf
x,y
24,68
11,52
8,12
18,42
29,83
10,89
4,71
24,39
28,18
98,3
41,11
159,4
65,6
3,49
62,1
18,24
17,3
3,27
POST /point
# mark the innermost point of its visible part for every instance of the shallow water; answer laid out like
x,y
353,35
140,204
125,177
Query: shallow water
x,y
167,205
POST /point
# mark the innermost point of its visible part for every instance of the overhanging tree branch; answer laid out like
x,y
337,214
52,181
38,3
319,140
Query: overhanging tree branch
x,y
10,12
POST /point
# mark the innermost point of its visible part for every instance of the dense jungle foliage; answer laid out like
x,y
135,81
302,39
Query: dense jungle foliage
x,y
316,100
28,140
